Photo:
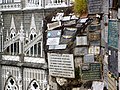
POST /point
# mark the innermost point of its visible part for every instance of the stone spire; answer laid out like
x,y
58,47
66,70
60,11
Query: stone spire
x,y
33,26
12,24
27,35
21,27
21,32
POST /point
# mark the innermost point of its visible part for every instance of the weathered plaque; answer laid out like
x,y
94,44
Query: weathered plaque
x,y
61,65
80,51
66,18
68,23
106,6
53,33
65,39
83,20
81,40
94,27
95,43
94,50
61,46
53,41
92,72
113,33
69,31
113,61
53,25
89,58
94,36
94,6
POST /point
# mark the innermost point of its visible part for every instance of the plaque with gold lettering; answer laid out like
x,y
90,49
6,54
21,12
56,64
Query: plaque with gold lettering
x,y
94,36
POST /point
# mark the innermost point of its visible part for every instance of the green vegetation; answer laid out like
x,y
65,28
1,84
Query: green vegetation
x,y
80,7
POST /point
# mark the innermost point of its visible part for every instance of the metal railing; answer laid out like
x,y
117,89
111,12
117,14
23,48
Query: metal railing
x,y
33,4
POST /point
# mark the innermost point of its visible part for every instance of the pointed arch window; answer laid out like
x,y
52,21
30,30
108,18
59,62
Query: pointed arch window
x,y
12,34
34,35
31,37
11,84
34,85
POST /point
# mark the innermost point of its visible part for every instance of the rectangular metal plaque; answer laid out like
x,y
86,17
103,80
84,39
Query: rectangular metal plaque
x,y
93,72
94,36
53,25
61,65
53,33
80,51
71,22
94,27
89,58
113,33
53,41
94,6
94,50
81,40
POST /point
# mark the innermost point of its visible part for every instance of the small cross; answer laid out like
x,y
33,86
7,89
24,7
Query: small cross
x,y
35,85
11,81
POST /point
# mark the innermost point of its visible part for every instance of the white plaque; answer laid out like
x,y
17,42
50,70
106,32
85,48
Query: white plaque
x,y
61,65
62,46
53,41
81,40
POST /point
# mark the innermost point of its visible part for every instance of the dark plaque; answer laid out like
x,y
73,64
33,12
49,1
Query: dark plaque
x,y
94,27
68,23
94,36
93,72
113,33
113,61
94,6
